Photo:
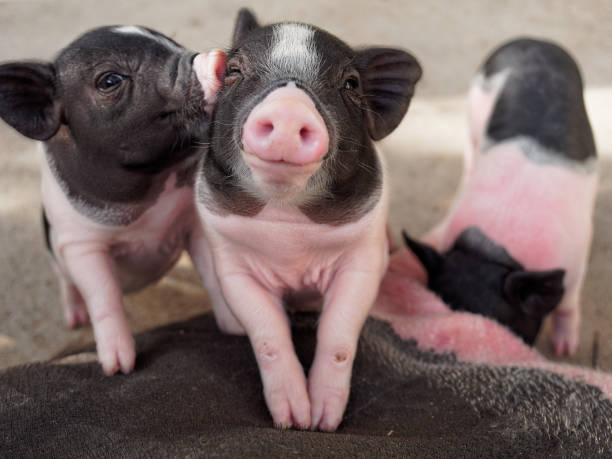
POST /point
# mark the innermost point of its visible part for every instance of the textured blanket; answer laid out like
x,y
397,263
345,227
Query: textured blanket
x,y
197,392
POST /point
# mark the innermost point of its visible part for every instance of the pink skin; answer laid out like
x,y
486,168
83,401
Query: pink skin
x,y
286,127
248,263
91,282
210,68
519,204
251,272
416,313
284,140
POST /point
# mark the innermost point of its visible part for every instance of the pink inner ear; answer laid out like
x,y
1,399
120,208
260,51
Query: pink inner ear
x,y
218,59
210,70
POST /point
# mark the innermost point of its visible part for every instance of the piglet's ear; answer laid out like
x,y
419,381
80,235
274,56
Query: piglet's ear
x,y
27,99
388,79
245,23
427,255
536,293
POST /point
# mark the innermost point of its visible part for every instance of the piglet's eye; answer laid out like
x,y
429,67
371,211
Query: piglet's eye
x,y
232,75
109,82
351,83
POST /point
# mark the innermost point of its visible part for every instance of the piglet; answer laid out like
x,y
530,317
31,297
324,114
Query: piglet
x,y
292,196
516,240
416,313
121,112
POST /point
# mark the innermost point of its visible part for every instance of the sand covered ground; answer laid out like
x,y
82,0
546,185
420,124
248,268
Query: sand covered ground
x,y
450,39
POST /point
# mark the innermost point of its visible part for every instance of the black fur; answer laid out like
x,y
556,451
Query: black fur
x,y
541,99
479,276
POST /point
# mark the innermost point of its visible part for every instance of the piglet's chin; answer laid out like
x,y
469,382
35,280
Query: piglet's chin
x,y
279,180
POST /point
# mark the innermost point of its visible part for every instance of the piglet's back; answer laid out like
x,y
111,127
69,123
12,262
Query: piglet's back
x,y
541,98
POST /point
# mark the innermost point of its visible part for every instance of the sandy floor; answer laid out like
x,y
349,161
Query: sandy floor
x,y
449,38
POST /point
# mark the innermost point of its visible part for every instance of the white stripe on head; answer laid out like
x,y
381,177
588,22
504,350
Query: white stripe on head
x,y
293,51
135,30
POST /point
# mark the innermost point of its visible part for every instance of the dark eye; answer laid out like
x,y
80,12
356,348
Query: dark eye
x,y
351,83
109,82
233,75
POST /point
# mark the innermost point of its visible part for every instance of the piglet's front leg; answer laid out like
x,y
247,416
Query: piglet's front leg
x,y
92,272
266,324
347,304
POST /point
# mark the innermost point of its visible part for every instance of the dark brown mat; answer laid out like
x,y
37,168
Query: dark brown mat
x,y
197,392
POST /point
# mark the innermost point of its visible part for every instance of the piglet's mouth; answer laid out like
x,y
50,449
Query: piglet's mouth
x,y
279,171
278,178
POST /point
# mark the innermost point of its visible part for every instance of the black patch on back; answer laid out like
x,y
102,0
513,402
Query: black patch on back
x,y
541,99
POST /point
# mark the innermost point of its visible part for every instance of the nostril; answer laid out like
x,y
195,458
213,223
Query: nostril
x,y
306,135
265,128
285,130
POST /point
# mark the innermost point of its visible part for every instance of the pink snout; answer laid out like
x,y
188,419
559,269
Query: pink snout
x,y
286,126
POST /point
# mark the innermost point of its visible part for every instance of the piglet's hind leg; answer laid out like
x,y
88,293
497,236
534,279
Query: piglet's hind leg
x,y
73,304
566,317
201,256
565,330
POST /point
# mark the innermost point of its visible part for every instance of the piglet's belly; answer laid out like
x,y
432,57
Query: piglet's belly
x,y
541,214
141,252
141,262
291,256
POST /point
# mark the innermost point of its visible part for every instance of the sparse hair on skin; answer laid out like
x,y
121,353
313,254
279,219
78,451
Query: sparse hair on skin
x,y
293,51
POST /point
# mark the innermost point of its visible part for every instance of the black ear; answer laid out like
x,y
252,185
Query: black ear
x,y
428,256
536,293
245,22
27,99
388,78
